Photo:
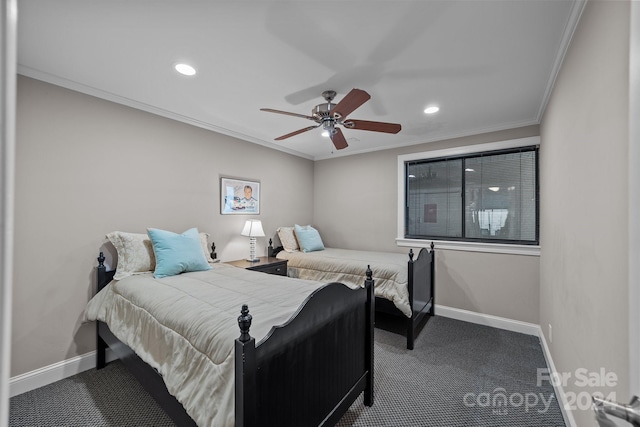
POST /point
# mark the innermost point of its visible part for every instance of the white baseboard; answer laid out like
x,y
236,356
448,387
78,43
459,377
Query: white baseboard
x,y
52,373
562,398
488,320
514,326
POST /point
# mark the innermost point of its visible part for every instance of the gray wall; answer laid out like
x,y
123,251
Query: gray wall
x,y
584,231
355,199
85,167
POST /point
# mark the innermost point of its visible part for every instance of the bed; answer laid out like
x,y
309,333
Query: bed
x,y
302,364
404,285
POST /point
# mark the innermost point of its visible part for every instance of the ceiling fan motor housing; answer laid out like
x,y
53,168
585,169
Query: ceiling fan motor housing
x,y
322,112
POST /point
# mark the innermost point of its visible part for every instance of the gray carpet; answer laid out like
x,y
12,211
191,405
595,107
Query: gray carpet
x,y
455,376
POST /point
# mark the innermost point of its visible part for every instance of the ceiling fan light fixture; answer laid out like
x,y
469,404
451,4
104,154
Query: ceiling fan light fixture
x,y
325,133
431,110
185,69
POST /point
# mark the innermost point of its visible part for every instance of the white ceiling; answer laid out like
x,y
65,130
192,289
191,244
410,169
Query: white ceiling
x,y
488,65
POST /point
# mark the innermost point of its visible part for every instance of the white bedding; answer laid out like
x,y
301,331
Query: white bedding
x,y
185,326
349,267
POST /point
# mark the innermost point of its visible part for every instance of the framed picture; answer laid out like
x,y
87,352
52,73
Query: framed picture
x,y
239,196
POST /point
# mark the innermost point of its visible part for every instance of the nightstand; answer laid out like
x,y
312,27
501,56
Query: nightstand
x,y
265,265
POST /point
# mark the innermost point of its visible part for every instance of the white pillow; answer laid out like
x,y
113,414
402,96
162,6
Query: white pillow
x,y
135,252
288,239
206,248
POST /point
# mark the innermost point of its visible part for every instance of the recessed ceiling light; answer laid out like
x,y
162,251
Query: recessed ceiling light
x,y
431,110
469,170
494,188
185,69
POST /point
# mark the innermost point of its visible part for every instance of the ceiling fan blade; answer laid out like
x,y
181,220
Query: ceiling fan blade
x,y
373,126
338,139
280,138
349,103
270,110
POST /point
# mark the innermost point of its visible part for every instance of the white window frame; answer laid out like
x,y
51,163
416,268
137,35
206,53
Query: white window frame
x,y
503,248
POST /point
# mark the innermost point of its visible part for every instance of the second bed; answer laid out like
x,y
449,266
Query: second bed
x,y
404,285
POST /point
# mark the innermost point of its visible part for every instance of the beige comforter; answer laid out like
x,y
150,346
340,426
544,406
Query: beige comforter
x,y
350,266
185,327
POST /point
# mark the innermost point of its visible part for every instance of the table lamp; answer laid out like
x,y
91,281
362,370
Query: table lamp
x,y
252,229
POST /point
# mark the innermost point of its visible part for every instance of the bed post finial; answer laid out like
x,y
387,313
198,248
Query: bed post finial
x,y
244,321
433,246
214,255
270,253
101,260
411,254
369,273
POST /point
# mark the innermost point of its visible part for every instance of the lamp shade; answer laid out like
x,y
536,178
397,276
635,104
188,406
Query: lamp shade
x,y
253,228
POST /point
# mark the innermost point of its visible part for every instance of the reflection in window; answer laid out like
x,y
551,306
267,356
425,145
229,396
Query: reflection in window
x,y
491,221
485,197
435,199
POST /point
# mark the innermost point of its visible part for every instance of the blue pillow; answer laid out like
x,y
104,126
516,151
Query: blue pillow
x,y
308,238
177,253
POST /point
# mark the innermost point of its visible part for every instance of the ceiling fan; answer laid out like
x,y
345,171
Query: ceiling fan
x,y
329,115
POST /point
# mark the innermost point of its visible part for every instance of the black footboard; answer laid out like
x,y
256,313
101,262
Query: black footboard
x,y
309,371
421,287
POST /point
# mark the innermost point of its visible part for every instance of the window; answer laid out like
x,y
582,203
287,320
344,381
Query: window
x,y
482,197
